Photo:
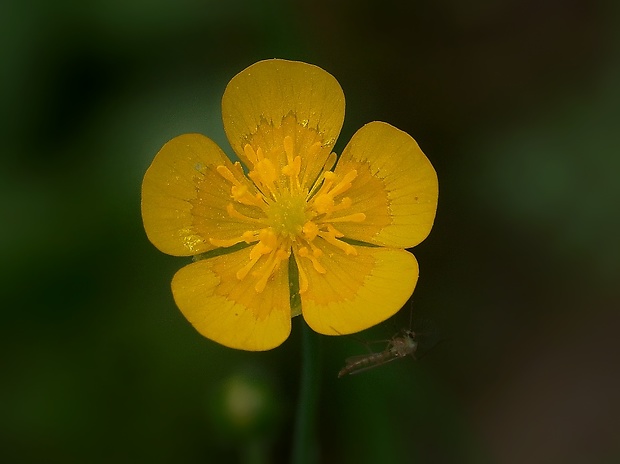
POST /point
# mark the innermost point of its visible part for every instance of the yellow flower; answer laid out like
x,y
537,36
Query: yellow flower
x,y
338,227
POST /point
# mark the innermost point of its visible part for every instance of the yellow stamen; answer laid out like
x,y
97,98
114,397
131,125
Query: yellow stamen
x,y
305,253
241,273
345,183
331,236
266,273
247,237
293,166
250,154
260,249
355,217
232,212
310,230
273,263
239,190
227,174
324,203
243,196
292,169
264,176
313,152
288,148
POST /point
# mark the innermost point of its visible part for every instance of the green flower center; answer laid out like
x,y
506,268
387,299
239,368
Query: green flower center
x,y
287,215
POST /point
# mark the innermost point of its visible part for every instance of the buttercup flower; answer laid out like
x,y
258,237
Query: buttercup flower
x,y
298,224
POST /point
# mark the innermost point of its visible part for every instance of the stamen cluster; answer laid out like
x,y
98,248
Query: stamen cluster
x,y
293,217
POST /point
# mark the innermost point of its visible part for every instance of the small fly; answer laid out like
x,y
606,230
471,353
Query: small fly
x,y
402,344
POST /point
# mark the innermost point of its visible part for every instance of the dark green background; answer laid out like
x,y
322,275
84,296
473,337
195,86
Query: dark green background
x,y
516,103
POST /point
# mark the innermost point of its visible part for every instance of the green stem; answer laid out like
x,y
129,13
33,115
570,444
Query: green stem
x,y
305,449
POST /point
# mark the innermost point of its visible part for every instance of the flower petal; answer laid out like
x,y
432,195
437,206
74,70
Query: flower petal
x,y
396,187
229,311
290,98
356,291
185,199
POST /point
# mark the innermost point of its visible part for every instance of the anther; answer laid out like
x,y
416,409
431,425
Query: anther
x,y
233,213
250,154
355,217
310,230
227,174
345,183
288,148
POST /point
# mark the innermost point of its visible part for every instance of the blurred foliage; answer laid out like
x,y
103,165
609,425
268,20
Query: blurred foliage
x,y
515,102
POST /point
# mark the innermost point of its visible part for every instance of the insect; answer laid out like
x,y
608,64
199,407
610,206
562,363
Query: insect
x,y
402,344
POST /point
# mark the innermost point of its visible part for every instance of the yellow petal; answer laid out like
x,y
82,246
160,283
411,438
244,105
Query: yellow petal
x,y
356,291
185,199
275,98
229,311
396,187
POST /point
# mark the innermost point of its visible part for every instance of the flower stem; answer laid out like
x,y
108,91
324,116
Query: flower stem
x,y
305,449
